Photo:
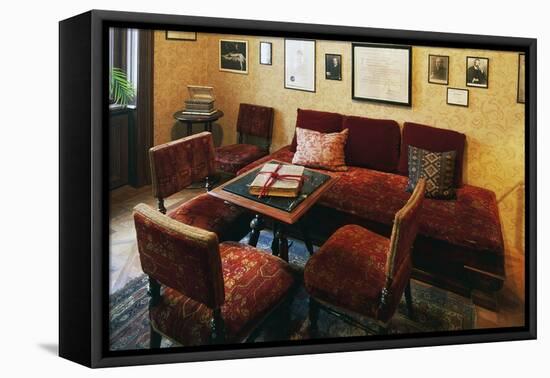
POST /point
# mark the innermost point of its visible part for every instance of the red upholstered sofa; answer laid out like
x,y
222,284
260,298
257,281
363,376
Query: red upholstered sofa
x,y
459,246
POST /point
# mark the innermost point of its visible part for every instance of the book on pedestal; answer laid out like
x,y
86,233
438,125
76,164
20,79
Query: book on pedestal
x,y
287,184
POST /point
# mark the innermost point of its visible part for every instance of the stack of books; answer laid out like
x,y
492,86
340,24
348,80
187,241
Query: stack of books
x,y
201,101
287,184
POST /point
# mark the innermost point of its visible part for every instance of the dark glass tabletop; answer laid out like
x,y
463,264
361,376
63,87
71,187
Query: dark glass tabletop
x,y
312,181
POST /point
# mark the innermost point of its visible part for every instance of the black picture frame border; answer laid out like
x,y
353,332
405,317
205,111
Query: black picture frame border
x,y
448,68
466,72
314,64
341,75
83,273
459,89
391,46
519,78
270,53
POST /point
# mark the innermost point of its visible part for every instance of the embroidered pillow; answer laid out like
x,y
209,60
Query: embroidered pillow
x,y
319,150
438,169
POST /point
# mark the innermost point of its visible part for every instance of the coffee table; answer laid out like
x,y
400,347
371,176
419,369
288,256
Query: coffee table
x,y
282,212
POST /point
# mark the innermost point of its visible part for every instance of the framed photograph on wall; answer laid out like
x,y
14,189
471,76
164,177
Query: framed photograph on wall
x,y
477,72
333,67
458,97
300,64
135,256
521,78
234,56
176,35
382,73
438,69
265,53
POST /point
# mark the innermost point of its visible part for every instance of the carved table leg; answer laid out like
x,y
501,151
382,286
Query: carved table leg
x,y
161,207
256,224
305,237
275,241
218,327
283,242
189,128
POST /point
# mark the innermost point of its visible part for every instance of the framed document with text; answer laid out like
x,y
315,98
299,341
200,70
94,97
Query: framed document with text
x,y
300,64
381,73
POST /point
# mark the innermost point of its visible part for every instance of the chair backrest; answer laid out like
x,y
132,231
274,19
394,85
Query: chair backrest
x,y
405,228
256,121
175,165
180,256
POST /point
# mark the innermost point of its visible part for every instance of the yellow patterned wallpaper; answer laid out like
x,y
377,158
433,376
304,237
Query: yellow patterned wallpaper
x,y
493,122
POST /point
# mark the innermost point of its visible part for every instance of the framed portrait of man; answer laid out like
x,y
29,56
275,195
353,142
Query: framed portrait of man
x,y
234,56
333,67
477,72
438,69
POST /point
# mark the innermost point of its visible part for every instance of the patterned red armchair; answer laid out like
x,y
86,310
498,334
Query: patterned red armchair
x,y
177,164
364,273
211,292
253,121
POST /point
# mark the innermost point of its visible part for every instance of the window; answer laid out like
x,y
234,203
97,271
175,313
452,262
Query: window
x,y
123,53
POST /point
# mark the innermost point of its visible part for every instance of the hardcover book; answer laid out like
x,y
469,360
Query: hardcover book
x,y
278,180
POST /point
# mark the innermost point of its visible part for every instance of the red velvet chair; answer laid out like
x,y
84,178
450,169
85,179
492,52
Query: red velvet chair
x,y
359,272
211,292
177,164
253,121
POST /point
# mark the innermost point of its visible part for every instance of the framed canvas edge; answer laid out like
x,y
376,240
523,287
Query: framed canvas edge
x,y
96,327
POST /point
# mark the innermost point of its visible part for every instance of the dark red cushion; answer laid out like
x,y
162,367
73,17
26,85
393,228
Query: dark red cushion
x,y
211,214
323,122
435,140
372,143
234,157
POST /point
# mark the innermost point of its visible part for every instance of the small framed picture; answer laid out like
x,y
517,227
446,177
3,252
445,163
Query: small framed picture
x,y
521,79
438,69
333,67
234,56
265,53
458,97
181,35
477,72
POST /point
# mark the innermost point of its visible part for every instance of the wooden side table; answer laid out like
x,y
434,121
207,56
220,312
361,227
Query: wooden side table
x,y
190,119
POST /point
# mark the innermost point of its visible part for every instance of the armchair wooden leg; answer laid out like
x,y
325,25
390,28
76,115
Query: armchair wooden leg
x,y
313,316
161,207
408,299
156,339
218,327
154,293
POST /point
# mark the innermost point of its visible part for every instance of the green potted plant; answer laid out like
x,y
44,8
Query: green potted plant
x,y
121,90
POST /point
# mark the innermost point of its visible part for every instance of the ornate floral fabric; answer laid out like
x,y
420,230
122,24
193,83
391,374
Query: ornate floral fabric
x,y
438,170
319,150
349,270
209,213
284,154
234,157
471,220
324,122
179,256
255,120
175,165
254,282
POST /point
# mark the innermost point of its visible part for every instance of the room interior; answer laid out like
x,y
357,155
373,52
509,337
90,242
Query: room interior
x,y
162,67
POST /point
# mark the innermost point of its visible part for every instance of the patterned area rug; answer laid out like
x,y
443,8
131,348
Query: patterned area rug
x,y
434,310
